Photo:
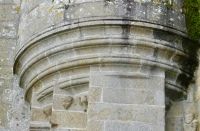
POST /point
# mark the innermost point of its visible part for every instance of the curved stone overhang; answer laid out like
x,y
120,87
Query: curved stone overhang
x,y
156,48
77,43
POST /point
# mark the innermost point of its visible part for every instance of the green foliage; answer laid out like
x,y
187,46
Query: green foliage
x,y
192,13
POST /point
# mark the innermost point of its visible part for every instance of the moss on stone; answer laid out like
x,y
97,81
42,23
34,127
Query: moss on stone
x,y
192,13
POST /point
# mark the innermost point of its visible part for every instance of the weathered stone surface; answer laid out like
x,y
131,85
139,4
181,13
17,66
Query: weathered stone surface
x,y
37,114
95,95
174,124
176,110
14,111
71,119
137,113
95,125
133,96
116,126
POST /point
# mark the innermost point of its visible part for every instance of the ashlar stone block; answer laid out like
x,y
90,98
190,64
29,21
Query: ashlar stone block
x,y
122,112
95,125
131,96
130,126
72,119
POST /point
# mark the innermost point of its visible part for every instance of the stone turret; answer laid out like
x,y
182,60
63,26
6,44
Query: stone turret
x,y
103,65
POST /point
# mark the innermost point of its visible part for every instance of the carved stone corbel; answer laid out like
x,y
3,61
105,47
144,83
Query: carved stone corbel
x,y
47,110
66,102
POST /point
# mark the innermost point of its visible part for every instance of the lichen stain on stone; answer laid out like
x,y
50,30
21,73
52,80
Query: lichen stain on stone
x,y
52,9
155,3
43,8
60,13
21,32
18,9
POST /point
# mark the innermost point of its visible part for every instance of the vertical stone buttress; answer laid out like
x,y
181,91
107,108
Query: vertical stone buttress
x,y
112,65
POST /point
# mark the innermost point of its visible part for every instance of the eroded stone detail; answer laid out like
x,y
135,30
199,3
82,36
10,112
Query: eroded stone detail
x,y
47,110
66,102
83,100
190,122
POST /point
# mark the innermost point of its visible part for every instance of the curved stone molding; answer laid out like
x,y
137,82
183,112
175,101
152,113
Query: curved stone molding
x,y
44,92
152,48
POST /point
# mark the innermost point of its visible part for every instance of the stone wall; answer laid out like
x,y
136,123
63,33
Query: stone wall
x,y
13,109
9,16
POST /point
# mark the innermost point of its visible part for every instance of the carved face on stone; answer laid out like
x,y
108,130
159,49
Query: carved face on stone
x,y
189,118
194,123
